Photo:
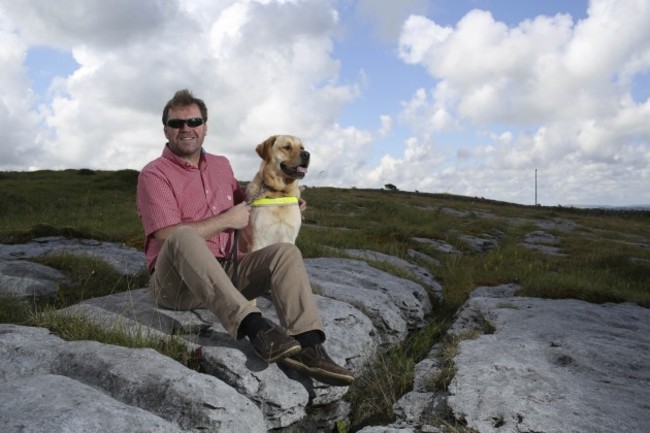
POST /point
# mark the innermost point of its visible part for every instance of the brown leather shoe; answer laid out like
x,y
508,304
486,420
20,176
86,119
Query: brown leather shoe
x,y
273,344
315,362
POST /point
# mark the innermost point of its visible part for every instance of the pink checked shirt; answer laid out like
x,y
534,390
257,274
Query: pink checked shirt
x,y
171,191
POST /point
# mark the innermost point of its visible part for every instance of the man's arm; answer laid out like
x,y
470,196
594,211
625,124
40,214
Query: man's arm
x,y
160,213
234,218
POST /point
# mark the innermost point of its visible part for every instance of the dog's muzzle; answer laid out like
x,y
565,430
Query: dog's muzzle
x,y
304,158
299,171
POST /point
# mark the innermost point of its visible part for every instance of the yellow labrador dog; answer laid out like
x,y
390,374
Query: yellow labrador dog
x,y
274,193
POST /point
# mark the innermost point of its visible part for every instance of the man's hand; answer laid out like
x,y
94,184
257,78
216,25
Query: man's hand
x,y
238,216
234,218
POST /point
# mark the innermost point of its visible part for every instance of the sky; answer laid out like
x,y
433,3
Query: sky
x,y
524,101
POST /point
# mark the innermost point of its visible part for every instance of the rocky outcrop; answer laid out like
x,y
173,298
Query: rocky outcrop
x,y
284,399
353,336
554,366
124,259
549,366
27,280
89,386
420,274
523,364
394,305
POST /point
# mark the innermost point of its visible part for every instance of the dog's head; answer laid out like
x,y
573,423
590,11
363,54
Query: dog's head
x,y
285,155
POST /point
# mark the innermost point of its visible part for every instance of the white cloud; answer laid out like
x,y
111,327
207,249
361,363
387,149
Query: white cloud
x,y
563,86
415,169
17,120
339,157
263,67
386,125
550,93
387,16
488,71
93,22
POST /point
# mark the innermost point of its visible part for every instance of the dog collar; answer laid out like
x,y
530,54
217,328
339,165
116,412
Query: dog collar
x,y
280,201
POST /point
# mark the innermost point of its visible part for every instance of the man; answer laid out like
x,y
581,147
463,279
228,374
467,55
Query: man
x,y
190,204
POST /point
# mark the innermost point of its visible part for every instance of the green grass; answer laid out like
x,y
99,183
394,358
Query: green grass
x,y
98,204
391,375
13,310
78,328
607,256
90,278
442,380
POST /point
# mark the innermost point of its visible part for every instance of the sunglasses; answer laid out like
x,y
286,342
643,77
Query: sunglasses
x,y
191,123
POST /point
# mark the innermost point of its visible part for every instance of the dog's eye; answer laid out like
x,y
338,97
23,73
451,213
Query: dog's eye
x,y
287,147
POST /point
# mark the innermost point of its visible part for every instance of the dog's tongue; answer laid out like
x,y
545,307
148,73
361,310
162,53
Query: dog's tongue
x,y
301,169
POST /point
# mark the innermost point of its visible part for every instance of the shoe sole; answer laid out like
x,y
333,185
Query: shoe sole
x,y
280,356
319,374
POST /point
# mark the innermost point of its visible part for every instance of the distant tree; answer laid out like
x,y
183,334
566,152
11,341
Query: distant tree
x,y
390,187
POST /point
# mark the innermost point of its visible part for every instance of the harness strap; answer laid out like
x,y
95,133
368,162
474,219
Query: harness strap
x,y
233,256
279,201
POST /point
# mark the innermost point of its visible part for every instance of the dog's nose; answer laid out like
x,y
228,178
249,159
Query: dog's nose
x,y
304,156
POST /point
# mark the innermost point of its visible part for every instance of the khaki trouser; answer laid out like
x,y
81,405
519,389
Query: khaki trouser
x,y
188,276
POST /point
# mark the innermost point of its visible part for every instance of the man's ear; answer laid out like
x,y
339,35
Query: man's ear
x,y
264,149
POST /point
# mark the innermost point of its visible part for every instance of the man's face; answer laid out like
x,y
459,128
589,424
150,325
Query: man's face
x,y
185,141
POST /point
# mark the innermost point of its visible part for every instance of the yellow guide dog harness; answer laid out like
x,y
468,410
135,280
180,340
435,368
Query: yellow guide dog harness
x,y
279,201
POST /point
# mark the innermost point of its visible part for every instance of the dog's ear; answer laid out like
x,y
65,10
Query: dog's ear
x,y
264,149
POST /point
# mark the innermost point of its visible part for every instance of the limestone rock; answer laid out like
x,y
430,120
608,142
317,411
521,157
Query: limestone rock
x,y
125,260
439,245
386,430
137,305
412,407
500,291
423,276
282,395
554,366
423,404
28,281
544,242
537,365
423,257
559,224
141,385
482,244
59,404
393,304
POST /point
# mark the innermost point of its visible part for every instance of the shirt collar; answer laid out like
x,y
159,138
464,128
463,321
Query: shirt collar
x,y
168,154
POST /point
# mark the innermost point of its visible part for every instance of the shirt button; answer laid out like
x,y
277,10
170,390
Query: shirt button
x,y
229,197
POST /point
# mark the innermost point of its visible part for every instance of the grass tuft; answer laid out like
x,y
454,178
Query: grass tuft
x,y
390,376
441,380
13,310
90,278
79,328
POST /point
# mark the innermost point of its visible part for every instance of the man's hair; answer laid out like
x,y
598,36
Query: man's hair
x,y
183,98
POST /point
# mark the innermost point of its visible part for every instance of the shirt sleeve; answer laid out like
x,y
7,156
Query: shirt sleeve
x,y
237,192
157,204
